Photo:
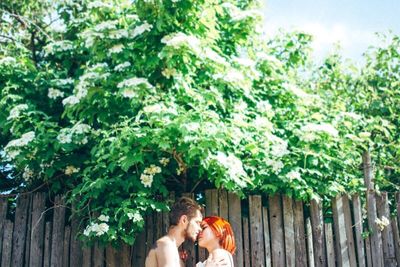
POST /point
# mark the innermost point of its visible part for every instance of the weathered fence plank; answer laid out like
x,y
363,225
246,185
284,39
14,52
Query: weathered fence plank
x,y
47,244
76,246
246,243
349,231
267,237
139,251
212,202
397,197
149,233
57,240
98,255
375,240
19,233
37,233
317,224
277,237
3,215
342,251
288,220
28,232
256,231
396,239
223,204
87,257
188,245
368,251
389,256
235,219
300,236
7,244
112,257
125,255
330,247
358,223
310,250
67,237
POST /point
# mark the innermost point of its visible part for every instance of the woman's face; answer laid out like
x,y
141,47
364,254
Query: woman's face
x,y
207,237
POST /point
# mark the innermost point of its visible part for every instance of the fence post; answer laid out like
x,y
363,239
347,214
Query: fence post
x,y
20,228
288,221
57,241
37,236
389,255
3,215
317,223
376,239
358,222
235,219
256,232
299,234
277,237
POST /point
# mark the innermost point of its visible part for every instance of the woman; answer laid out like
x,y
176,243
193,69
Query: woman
x,y
217,237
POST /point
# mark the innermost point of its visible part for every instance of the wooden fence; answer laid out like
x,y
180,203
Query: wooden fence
x,y
269,231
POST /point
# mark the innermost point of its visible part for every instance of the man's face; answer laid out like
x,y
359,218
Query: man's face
x,y
194,227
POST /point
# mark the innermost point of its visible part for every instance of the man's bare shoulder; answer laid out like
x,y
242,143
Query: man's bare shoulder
x,y
163,253
164,243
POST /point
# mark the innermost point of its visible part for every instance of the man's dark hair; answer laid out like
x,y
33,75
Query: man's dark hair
x,y
183,206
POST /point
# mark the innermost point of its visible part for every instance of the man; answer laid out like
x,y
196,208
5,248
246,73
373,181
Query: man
x,y
185,223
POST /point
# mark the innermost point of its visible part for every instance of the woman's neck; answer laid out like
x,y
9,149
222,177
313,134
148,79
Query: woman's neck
x,y
213,247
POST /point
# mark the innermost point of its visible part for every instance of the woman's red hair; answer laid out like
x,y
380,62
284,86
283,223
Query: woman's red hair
x,y
223,231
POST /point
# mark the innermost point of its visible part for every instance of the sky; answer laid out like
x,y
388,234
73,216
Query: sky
x,y
352,23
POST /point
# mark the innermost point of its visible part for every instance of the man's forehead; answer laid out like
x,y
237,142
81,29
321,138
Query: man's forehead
x,y
198,216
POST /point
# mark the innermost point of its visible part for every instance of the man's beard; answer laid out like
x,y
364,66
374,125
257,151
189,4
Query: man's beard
x,y
186,234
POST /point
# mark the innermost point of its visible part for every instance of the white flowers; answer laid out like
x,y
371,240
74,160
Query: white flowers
x,y
54,93
66,134
28,174
382,223
71,100
134,82
146,180
98,229
58,46
293,175
116,49
276,165
135,217
98,4
141,29
164,161
234,167
279,149
310,131
15,112
106,25
71,170
25,139
180,39
12,148
168,73
8,61
122,66
104,218
128,86
147,176
232,76
214,56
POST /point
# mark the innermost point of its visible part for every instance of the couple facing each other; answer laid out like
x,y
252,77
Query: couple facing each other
x,y
187,223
